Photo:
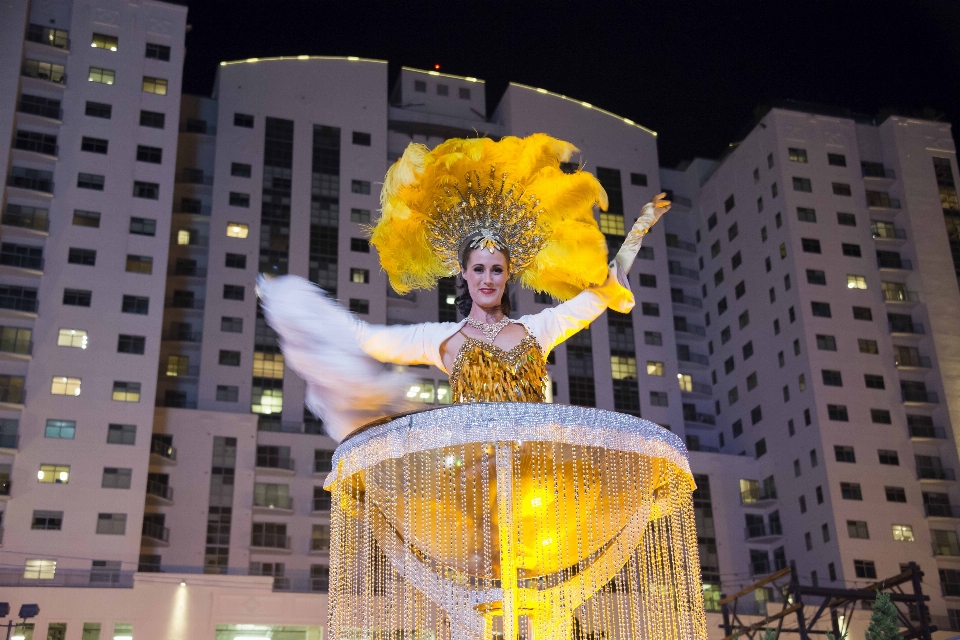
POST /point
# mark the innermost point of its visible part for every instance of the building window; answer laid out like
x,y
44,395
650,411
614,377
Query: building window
x,y
94,145
86,257
361,216
54,474
47,520
888,457
233,292
740,289
60,429
802,184
139,264
116,478
228,393
229,358
846,219
143,226
820,309
862,313
65,386
880,416
103,76
360,276
648,280
797,155
638,179
267,365
135,304
360,186
158,52
122,434
805,214
114,524
83,218
658,399
240,169
844,453
733,395
152,119
359,245
131,344
760,447
243,120
732,232
362,139
102,41
650,309
153,155
836,412
810,245
239,199
34,569
737,428
832,378
148,190
231,325
612,223
856,282
90,181
653,338
826,343
360,306
866,569
903,533
836,160
237,230
850,491
841,189
235,261
873,381
126,391
443,90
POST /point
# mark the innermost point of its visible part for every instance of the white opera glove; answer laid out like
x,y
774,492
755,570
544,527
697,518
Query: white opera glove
x,y
631,244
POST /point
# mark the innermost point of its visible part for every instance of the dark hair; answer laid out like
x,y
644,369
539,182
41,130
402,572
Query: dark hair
x,y
464,302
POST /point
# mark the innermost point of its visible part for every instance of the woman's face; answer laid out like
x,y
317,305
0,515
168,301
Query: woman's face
x,y
486,276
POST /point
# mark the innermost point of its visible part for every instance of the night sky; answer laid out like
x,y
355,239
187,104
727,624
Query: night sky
x,y
692,71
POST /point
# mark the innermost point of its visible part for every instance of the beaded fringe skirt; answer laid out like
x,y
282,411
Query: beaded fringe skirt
x,y
510,520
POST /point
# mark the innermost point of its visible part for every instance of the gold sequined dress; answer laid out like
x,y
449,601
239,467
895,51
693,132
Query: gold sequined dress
x,y
484,372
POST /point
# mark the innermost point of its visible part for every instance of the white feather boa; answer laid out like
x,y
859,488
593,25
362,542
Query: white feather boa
x,y
346,388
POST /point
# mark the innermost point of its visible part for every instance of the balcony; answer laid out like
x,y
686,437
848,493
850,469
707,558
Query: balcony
x,y
693,358
48,72
44,146
33,180
900,296
926,432
6,485
688,301
932,473
198,126
321,504
22,261
920,396
269,543
887,232
185,271
180,372
180,335
184,303
698,388
159,493
194,176
77,578
202,210
16,346
13,395
912,362
681,245
894,262
762,532
274,465
941,511
273,504
682,272
55,38
176,403
881,200
9,442
162,452
319,547
154,534
699,420
44,108
907,328
690,329
34,221
760,567
757,497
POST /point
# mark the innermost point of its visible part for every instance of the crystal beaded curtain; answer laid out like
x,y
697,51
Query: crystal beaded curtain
x,y
514,520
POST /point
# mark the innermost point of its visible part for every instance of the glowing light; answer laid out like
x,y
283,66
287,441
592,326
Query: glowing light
x,y
63,476
441,392
17,637
353,58
113,48
449,460
223,64
536,502
547,541
252,60
434,73
587,105
183,584
437,67
303,57
122,637
470,79
629,121
39,475
451,299
541,90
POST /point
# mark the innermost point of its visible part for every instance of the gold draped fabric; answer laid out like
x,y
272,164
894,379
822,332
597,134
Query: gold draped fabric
x,y
486,373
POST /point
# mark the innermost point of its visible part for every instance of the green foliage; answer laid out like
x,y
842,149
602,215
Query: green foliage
x,y
883,621
769,634
830,636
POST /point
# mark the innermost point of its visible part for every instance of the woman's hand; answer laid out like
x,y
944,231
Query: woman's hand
x,y
649,215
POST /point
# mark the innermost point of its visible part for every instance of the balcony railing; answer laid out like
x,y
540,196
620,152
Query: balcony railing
x,y
198,126
177,403
700,418
919,395
31,180
13,395
162,449
57,38
156,531
894,263
905,327
16,303
43,71
180,372
269,540
202,210
285,426
160,490
888,233
35,221
194,177
79,578
900,295
683,245
44,147
13,345
756,494
52,111
695,329
9,441
876,171
931,473
762,530
34,263
697,358
921,362
185,303
760,567
274,462
181,335
690,301
940,511
926,431
698,387
274,502
676,270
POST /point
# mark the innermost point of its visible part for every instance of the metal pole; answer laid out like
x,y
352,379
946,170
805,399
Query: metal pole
x,y
835,622
923,613
797,599
726,618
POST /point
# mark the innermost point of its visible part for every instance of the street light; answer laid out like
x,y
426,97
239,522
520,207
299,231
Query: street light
x,y
26,611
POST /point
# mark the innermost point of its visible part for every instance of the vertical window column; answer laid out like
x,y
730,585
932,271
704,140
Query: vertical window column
x,y
216,557
275,206
951,207
325,207
580,369
623,361
611,221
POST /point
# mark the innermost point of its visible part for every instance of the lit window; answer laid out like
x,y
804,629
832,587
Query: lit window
x,y
101,41
62,386
126,391
39,569
183,237
360,276
155,85
236,230
856,282
54,473
612,224
72,338
443,393
624,368
103,76
178,365
686,381
422,391
267,365
903,532
266,401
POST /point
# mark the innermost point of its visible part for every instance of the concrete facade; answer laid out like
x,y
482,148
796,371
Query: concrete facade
x,y
216,466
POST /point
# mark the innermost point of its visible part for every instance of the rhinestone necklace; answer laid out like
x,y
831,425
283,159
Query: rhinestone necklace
x,y
490,331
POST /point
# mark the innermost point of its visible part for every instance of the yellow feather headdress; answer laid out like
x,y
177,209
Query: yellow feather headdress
x,y
509,194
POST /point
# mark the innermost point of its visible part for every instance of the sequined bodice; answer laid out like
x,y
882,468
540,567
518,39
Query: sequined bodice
x,y
486,373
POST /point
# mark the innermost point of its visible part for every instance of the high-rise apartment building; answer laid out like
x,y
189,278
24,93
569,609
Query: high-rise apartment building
x,y
155,449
